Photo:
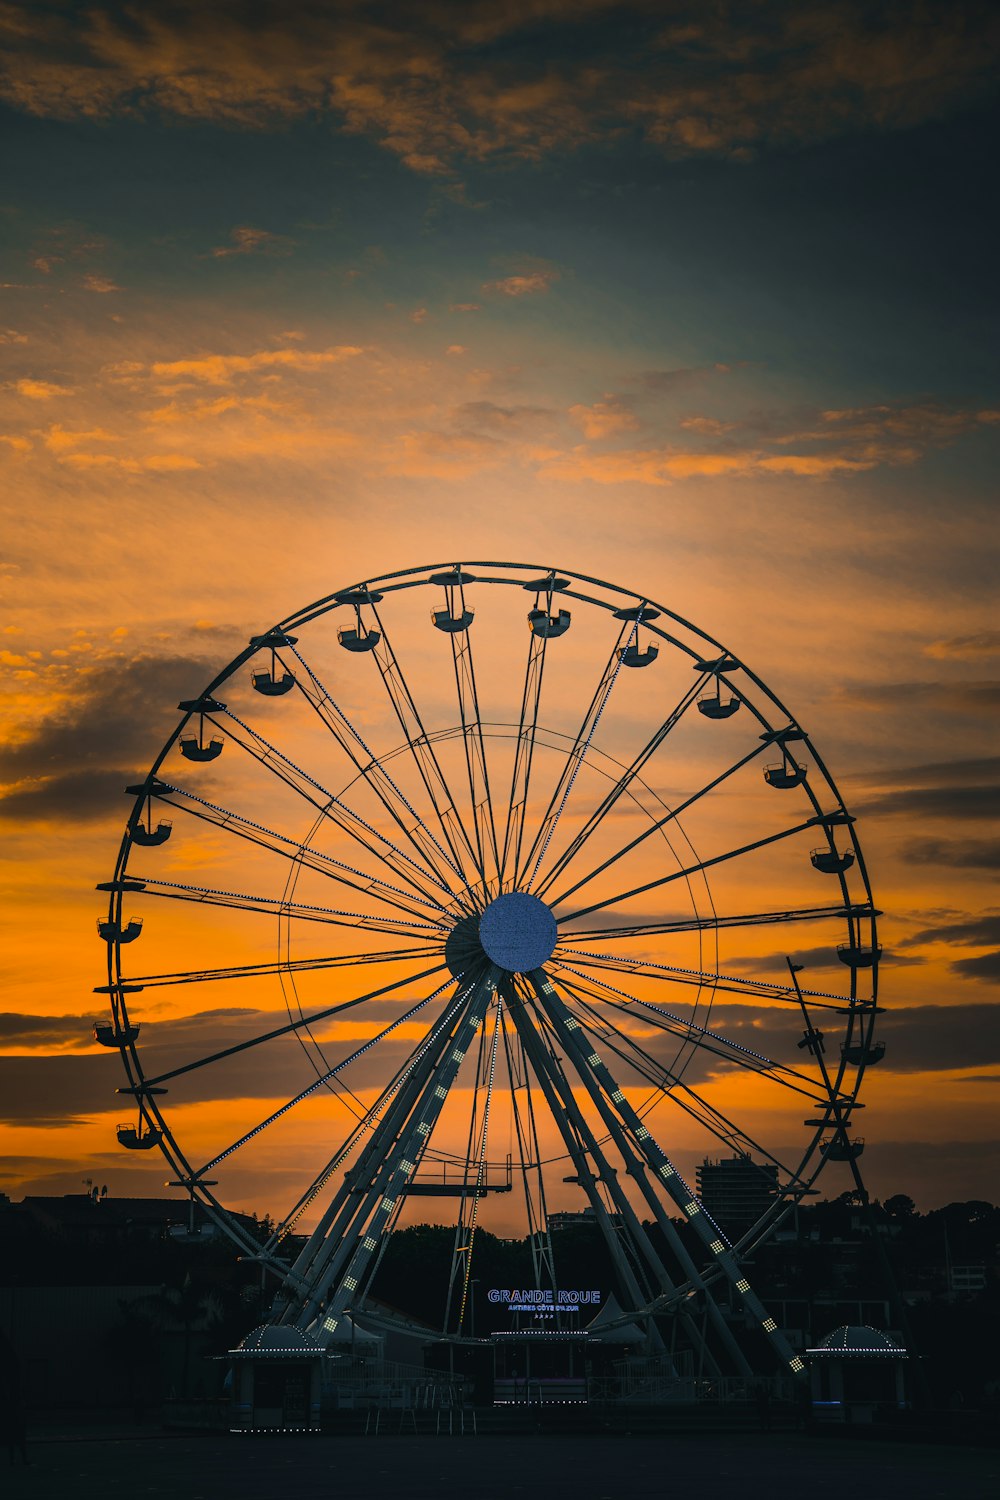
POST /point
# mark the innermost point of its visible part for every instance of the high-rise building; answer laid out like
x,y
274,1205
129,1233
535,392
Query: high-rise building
x,y
736,1191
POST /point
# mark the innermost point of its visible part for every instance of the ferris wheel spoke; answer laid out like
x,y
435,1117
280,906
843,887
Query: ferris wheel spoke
x,y
711,1041
524,751
322,1080
288,848
714,922
396,804
302,1024
623,783
273,905
699,978
659,824
482,814
381,849
571,768
422,752
695,869
279,966
668,1083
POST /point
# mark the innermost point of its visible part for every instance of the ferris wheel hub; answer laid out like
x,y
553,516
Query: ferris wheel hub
x,y
518,932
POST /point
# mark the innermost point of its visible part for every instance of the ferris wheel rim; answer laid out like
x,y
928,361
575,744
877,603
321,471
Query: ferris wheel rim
x,y
393,583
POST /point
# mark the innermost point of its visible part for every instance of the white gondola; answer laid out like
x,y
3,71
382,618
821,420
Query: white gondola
x,y
148,838
832,861
631,656
857,956
453,624
114,1036
714,707
785,775
860,1052
114,932
540,622
270,685
193,748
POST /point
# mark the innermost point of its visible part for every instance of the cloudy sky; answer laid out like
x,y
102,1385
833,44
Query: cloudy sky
x,y
697,299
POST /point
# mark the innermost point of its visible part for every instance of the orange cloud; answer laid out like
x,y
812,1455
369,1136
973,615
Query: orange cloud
x,y
522,285
58,440
249,241
219,369
604,418
41,390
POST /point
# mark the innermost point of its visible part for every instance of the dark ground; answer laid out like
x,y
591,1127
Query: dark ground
x,y
734,1466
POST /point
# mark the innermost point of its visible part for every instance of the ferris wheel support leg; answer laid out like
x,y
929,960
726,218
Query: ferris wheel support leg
x,y
351,1263
592,1066
636,1169
334,1228
574,1129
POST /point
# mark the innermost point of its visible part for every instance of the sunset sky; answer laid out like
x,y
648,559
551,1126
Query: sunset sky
x,y
698,299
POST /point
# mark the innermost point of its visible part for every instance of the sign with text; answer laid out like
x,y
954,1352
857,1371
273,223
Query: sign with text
x,y
564,1299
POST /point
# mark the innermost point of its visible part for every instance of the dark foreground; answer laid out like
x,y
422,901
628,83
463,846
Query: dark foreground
x,y
750,1466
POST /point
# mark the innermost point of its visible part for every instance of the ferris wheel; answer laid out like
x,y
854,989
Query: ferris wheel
x,y
492,885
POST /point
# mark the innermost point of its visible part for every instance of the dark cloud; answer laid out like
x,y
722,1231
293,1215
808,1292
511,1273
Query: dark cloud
x,y
957,854
982,697
488,416
58,1090
32,1032
961,802
435,83
983,769
665,382
958,789
924,1038
985,966
774,965
79,760
976,932
61,1089
982,643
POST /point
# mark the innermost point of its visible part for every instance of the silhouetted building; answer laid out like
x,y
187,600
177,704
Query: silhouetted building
x,y
736,1191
